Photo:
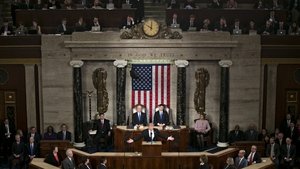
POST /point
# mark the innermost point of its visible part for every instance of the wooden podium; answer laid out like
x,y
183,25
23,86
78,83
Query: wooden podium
x,y
151,148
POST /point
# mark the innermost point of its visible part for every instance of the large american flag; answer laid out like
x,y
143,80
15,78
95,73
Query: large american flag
x,y
151,87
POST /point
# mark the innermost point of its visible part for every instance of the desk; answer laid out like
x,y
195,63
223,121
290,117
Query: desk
x,y
266,164
50,19
38,163
121,134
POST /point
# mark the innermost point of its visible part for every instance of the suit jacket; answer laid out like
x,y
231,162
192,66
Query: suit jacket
x,y
3,131
292,134
256,158
68,135
60,29
101,166
241,164
9,28
145,135
284,151
230,167
136,121
83,166
37,137
164,120
251,136
276,150
204,166
34,151
187,24
102,130
50,159
68,164
233,137
18,149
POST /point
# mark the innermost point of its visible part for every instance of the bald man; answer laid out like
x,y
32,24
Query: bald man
x,y
68,162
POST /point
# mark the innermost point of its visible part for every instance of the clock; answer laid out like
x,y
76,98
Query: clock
x,y
151,27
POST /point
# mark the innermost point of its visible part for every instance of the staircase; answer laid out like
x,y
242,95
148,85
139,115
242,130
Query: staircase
x,y
155,10
5,10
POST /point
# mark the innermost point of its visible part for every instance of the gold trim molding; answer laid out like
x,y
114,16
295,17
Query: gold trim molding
x,y
20,61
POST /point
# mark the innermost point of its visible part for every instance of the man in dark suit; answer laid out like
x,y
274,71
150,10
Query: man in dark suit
x,y
285,124
240,160
128,23
33,133
288,154
6,29
161,117
18,151
103,162
292,132
280,140
103,134
63,28
150,134
253,156
139,118
251,134
31,151
68,162
7,131
273,151
236,135
64,134
191,23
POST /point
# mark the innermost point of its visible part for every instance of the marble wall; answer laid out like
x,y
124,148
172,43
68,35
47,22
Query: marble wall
x,y
201,50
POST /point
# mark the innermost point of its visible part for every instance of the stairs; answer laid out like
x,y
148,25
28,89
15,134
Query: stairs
x,y
155,10
5,10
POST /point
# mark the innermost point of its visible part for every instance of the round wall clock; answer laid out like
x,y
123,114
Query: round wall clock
x,y
151,27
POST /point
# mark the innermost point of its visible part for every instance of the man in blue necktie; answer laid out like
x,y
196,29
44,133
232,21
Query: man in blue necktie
x,y
139,118
161,117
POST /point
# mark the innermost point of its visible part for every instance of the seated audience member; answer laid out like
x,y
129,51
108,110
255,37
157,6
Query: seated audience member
x,y
18,152
98,4
236,135
80,26
294,29
281,28
173,4
203,162
230,163
139,118
288,152
272,18
39,5
231,4
54,158
253,156
128,23
68,4
102,125
149,135
64,134
6,29
251,134
53,4
103,162
264,136
275,134
202,128
68,162
33,133
267,29
21,29
26,4
63,28
85,164
161,117
273,151
215,4
236,29
240,160
191,24
32,150
252,29
174,20
20,133
189,4
285,124
273,5
110,5
259,4
292,133
95,23
34,28
221,25
50,134
206,25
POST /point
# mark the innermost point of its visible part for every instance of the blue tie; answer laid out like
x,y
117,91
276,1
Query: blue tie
x,y
139,116
161,115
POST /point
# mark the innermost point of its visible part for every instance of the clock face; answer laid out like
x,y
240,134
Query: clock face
x,y
151,27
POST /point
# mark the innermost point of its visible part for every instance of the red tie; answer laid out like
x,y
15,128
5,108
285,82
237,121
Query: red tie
x,y
251,159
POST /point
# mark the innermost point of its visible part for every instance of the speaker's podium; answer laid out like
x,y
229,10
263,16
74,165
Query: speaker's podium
x,y
153,148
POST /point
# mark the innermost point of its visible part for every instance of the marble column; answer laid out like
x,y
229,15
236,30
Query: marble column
x,y
224,103
77,102
30,95
121,86
182,116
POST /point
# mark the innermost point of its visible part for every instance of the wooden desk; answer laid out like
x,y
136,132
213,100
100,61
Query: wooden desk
x,y
179,144
266,164
50,19
244,15
38,163
46,146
